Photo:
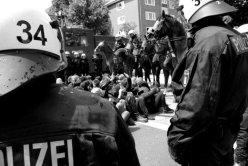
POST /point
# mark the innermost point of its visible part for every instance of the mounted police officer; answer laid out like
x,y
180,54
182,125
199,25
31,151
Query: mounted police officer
x,y
206,122
119,43
134,48
50,124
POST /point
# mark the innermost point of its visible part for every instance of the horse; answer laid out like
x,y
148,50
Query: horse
x,y
158,51
104,49
166,25
146,57
127,59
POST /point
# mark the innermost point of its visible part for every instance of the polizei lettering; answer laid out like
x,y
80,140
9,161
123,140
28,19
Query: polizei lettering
x,y
54,153
240,44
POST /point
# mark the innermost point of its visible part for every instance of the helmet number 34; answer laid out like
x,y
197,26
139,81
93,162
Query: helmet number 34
x,y
39,34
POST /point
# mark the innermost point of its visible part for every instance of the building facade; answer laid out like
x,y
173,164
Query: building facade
x,y
142,14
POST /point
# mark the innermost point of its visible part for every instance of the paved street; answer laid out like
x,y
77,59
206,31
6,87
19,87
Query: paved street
x,y
151,139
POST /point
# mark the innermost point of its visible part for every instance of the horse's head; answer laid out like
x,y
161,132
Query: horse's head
x,y
103,48
166,25
147,45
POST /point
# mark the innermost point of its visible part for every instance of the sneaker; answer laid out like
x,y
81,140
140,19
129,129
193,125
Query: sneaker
x,y
168,110
150,118
130,122
141,119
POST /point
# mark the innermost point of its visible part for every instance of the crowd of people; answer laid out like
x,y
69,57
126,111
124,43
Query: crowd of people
x,y
133,97
81,119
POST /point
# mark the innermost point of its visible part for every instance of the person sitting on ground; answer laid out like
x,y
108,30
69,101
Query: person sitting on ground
x,y
126,92
86,85
74,80
96,88
151,100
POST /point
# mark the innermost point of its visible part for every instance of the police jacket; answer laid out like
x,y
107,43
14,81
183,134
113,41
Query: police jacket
x,y
44,124
215,80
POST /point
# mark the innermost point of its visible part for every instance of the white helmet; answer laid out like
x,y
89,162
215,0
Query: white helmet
x,y
83,55
76,54
118,36
131,32
198,9
31,45
150,31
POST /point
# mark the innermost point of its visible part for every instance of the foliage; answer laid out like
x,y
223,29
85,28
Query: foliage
x,y
128,26
241,16
90,14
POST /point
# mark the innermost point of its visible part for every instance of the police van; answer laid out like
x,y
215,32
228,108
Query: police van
x,y
84,40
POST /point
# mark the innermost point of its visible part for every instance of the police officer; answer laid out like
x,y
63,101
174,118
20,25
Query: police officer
x,y
77,63
85,64
134,47
119,44
132,38
206,122
47,124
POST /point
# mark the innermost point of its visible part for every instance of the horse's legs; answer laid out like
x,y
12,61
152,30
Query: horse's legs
x,y
147,74
140,71
154,66
158,68
166,76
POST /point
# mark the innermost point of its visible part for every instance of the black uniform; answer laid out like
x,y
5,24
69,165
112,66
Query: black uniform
x,y
55,125
118,65
206,121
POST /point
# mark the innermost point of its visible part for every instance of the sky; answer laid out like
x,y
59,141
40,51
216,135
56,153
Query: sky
x,y
42,4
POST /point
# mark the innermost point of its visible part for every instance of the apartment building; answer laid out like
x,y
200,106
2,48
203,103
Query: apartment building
x,y
142,13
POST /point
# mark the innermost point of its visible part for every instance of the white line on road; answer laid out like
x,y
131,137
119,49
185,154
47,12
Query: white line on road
x,y
155,125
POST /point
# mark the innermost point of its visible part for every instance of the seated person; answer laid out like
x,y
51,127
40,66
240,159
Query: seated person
x,y
74,81
151,100
86,85
96,88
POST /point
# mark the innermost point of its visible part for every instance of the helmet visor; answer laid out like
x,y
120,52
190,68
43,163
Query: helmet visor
x,y
19,68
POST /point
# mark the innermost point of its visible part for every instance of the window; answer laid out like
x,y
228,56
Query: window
x,y
120,5
172,4
164,2
150,2
121,20
150,16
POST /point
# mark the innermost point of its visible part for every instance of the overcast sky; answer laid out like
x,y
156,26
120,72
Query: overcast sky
x,y
43,4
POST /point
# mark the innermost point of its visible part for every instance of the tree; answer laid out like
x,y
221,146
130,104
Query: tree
x,y
127,26
241,16
90,14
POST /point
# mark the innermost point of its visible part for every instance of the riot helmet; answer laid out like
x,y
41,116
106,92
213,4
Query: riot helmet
x,y
31,45
197,9
132,33
83,56
118,37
